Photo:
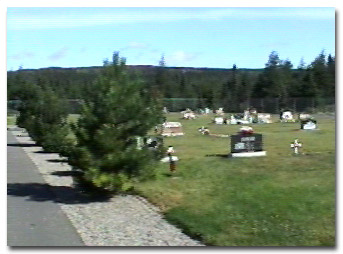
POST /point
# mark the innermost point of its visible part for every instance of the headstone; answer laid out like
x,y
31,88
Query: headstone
x,y
233,120
219,120
220,112
189,115
287,116
264,118
247,144
303,116
309,124
172,129
237,119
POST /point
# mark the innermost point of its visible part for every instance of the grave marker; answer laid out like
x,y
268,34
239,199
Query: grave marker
x,y
309,124
296,145
247,144
172,129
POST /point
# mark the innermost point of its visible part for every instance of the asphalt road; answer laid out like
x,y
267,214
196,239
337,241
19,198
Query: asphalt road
x,y
30,221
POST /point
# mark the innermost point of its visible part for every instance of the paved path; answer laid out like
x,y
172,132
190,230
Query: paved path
x,y
33,216
119,220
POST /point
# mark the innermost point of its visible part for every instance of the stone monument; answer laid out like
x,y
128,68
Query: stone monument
x,y
246,143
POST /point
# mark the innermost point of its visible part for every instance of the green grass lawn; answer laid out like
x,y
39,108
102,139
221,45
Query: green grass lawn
x,y
277,200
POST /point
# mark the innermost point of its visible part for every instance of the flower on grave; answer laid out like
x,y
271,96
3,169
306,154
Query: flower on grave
x,y
246,130
204,130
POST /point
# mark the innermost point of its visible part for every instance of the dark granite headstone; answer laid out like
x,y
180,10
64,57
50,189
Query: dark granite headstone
x,y
246,143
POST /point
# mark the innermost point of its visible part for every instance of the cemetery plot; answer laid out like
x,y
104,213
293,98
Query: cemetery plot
x,y
188,114
247,145
170,129
258,201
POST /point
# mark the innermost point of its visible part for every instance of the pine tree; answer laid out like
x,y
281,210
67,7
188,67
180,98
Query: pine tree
x,y
160,78
43,114
118,111
320,74
331,67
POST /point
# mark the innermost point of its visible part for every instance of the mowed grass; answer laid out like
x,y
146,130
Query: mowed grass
x,y
277,200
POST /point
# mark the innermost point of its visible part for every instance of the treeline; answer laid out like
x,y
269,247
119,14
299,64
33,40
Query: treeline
x,y
232,88
101,145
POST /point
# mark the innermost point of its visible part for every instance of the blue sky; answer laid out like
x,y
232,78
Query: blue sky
x,y
190,37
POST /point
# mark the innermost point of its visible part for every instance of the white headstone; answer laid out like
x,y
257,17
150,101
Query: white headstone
x,y
172,129
219,120
287,116
264,118
189,115
309,126
233,120
303,116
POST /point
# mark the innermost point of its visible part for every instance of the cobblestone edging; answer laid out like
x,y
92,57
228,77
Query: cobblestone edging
x,y
123,220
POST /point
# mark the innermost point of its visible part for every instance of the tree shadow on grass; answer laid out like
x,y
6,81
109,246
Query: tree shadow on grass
x,y
218,155
58,194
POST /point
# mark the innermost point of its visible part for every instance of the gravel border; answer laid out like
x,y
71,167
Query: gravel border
x,y
123,220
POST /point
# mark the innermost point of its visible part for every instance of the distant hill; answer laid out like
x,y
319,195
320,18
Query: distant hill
x,y
71,81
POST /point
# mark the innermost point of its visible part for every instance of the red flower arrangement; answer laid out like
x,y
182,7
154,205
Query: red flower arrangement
x,y
246,130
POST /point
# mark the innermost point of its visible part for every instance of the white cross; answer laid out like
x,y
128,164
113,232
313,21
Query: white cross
x,y
296,145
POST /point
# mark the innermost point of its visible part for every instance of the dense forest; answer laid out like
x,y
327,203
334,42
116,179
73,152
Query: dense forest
x,y
280,83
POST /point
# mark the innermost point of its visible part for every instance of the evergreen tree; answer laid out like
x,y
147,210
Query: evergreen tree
x,y
286,82
118,111
161,79
273,75
276,81
331,67
43,114
320,75
246,90
308,86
